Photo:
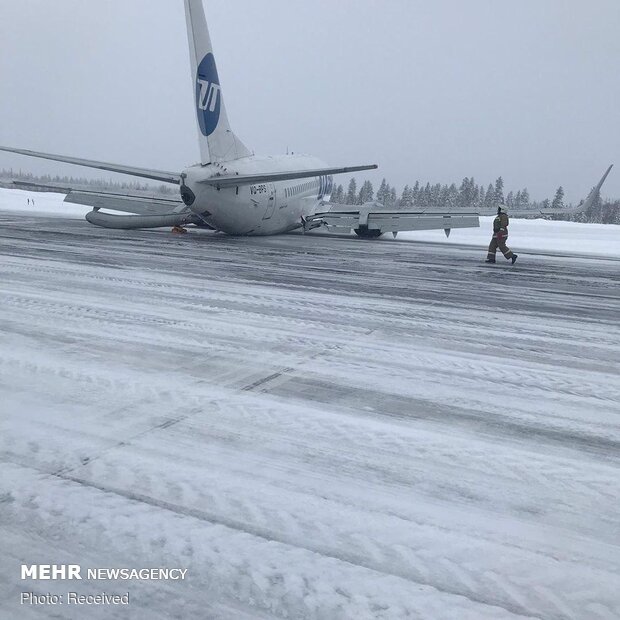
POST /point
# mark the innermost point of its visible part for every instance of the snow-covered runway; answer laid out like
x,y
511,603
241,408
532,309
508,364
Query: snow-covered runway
x,y
314,427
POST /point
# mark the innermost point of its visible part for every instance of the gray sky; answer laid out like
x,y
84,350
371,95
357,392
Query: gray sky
x,y
428,89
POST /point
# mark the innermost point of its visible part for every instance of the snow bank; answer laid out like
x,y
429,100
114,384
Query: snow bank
x,y
44,203
535,235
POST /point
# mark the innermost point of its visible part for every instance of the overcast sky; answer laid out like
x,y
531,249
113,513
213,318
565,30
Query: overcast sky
x,y
428,89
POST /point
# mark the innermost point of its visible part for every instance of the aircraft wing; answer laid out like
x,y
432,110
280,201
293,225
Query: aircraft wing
x,y
371,221
233,180
146,211
156,175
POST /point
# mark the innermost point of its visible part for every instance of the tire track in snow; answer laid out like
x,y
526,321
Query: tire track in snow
x,y
224,550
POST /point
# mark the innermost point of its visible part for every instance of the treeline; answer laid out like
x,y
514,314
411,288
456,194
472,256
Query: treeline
x,y
600,212
94,184
468,196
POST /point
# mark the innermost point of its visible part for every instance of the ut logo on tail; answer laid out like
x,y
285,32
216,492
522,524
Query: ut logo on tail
x,y
208,95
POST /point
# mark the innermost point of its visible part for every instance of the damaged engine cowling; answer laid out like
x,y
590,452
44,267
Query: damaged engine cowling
x,y
108,220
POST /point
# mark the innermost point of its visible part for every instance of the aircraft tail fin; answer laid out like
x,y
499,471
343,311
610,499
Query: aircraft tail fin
x,y
217,141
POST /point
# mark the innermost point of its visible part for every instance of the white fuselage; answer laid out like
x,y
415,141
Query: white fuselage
x,y
263,208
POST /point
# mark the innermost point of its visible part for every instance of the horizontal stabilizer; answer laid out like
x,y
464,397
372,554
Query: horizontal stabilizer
x,y
126,203
114,201
40,187
270,177
145,173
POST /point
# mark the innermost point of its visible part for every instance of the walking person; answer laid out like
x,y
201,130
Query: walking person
x,y
500,234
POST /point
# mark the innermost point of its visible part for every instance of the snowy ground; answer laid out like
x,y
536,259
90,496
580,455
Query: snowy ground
x,y
44,203
314,426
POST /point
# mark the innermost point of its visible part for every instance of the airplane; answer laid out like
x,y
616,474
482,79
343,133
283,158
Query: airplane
x,y
238,193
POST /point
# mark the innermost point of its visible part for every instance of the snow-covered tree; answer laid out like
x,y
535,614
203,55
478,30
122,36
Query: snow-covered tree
x,y
351,197
366,193
338,195
406,198
525,198
466,193
382,191
435,196
415,192
499,191
490,202
558,200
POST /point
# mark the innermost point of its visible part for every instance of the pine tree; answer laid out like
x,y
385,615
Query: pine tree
x,y
465,196
499,191
435,196
337,196
609,212
382,191
451,197
558,200
371,192
406,198
475,194
444,197
352,192
427,196
525,198
415,193
489,198
366,193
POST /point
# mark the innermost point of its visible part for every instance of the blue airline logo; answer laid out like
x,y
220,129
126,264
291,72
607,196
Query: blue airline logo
x,y
208,95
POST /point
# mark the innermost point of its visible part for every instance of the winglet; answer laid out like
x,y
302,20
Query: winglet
x,y
587,203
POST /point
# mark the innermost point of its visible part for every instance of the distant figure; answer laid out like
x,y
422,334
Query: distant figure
x,y
28,200
33,205
500,234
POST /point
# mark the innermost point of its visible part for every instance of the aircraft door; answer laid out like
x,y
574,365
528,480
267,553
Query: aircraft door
x,y
271,201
